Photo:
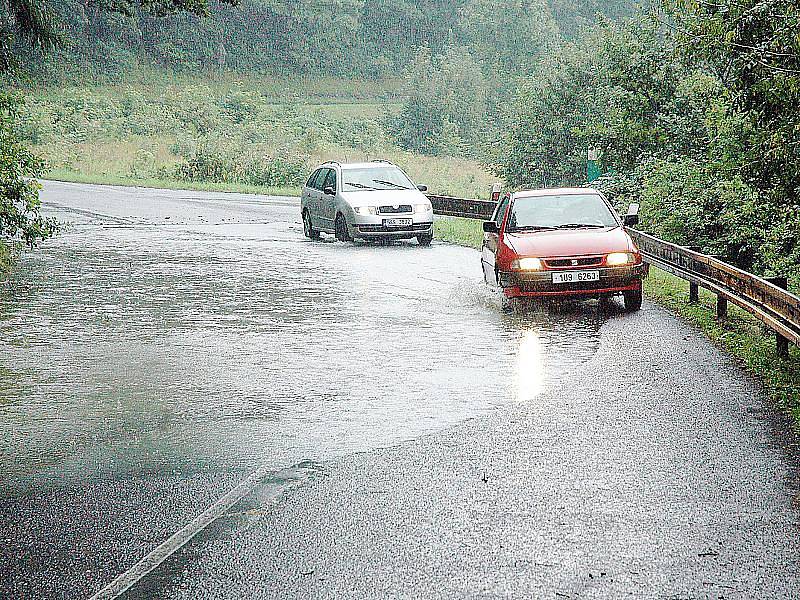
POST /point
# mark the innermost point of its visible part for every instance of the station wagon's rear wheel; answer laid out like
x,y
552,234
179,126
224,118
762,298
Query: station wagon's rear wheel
x,y
340,228
308,228
633,300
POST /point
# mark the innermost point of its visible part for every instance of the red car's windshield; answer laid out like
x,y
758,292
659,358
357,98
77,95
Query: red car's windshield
x,y
560,212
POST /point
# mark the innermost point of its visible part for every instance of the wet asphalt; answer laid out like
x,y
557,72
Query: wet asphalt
x,y
168,343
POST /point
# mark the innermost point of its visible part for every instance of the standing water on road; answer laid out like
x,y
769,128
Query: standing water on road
x,y
165,334
225,344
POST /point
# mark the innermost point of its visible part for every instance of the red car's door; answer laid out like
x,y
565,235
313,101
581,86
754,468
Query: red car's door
x,y
491,241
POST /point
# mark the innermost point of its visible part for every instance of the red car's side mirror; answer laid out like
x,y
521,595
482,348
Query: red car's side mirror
x,y
632,218
490,227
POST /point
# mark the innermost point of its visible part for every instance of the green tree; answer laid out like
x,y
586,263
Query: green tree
x,y
20,219
446,104
28,20
508,38
754,48
613,90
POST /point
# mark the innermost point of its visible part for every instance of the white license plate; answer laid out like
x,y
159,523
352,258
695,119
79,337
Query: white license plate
x,y
575,276
397,222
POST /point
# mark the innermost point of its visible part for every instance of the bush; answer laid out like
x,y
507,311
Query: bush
x,y
239,106
689,204
208,165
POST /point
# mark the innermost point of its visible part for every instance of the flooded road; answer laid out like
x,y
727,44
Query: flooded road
x,y
167,344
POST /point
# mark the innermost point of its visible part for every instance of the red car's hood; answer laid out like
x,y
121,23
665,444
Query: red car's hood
x,y
569,242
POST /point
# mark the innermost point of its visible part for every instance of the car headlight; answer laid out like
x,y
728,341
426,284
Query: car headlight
x,y
365,210
526,264
616,259
420,208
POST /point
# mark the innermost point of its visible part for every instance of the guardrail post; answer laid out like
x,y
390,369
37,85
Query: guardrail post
x,y
781,343
694,293
722,302
722,307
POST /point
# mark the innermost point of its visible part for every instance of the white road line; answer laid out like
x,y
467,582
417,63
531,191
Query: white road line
x,y
179,539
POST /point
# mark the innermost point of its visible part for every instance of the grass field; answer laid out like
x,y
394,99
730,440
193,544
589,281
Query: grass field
x,y
741,335
464,232
261,135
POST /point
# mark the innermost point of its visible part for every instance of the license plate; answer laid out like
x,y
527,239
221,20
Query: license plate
x,y
397,222
575,276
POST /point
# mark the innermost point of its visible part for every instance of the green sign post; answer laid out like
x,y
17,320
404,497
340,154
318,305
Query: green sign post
x,y
592,165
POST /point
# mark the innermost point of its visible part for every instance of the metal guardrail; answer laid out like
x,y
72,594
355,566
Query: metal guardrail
x,y
462,207
764,298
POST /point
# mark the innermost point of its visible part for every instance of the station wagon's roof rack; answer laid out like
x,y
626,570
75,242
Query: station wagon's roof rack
x,y
383,160
332,162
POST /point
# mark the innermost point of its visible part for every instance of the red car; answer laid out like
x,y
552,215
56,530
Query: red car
x,y
562,242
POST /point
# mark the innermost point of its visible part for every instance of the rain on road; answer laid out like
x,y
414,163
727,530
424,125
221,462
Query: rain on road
x,y
168,343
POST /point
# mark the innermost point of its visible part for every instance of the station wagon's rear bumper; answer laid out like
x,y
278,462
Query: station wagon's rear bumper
x,y
613,280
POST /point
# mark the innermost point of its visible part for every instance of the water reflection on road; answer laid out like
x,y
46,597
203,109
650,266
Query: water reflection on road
x,y
220,338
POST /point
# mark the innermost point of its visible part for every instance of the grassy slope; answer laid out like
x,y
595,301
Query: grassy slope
x,y
139,130
740,335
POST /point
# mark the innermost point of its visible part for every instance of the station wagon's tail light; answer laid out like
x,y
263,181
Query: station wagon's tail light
x,y
616,259
526,264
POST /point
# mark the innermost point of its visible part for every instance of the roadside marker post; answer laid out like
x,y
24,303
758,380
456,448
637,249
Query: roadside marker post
x,y
497,188
781,343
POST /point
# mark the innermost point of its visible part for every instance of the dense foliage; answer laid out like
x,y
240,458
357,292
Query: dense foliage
x,y
304,37
753,46
697,121
27,22
445,106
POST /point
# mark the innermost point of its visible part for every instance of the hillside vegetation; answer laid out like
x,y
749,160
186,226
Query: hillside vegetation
x,y
362,38
244,133
251,97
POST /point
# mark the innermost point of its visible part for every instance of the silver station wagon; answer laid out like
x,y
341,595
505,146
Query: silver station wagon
x,y
368,201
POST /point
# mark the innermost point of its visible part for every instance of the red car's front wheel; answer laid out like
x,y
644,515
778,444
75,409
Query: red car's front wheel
x,y
633,299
